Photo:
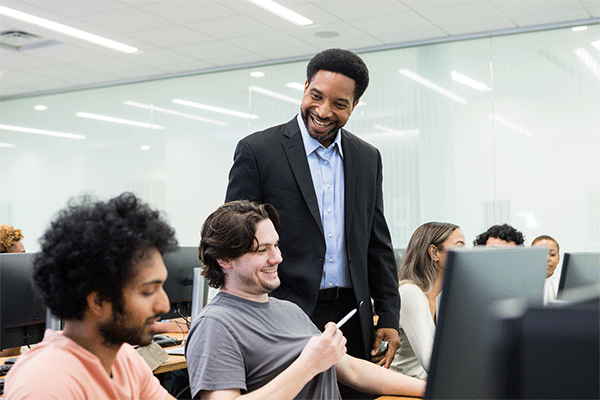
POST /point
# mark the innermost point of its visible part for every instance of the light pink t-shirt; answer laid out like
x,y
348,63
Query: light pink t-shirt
x,y
60,369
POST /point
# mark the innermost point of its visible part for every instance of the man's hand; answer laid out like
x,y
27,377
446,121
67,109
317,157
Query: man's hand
x,y
391,336
323,351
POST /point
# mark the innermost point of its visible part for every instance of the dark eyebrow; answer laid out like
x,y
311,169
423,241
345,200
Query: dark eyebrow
x,y
340,99
152,282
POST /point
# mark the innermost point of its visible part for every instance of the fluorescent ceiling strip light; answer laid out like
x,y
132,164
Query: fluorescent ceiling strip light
x,y
283,12
432,86
173,112
469,82
397,132
7,145
66,30
596,44
579,28
41,132
589,61
295,85
118,120
215,109
510,125
274,95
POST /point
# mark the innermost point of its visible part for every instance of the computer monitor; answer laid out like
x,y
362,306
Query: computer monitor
x,y
179,284
546,352
22,314
579,269
473,280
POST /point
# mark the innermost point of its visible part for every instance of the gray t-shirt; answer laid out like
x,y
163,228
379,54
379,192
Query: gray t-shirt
x,y
237,343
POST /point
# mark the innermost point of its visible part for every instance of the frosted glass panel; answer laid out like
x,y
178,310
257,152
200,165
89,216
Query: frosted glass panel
x,y
521,148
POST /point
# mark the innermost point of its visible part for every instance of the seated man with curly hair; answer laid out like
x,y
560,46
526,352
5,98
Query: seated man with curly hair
x,y
500,235
10,240
101,270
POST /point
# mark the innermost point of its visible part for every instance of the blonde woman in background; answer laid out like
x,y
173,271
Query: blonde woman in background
x,y
421,275
10,240
551,284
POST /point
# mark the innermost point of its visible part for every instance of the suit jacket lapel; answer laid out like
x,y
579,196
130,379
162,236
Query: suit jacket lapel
x,y
351,161
296,154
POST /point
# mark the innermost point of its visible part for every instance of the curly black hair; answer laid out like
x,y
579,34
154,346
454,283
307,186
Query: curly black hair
x,y
92,246
228,233
342,62
504,232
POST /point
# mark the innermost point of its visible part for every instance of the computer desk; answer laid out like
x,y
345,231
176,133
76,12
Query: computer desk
x,y
174,362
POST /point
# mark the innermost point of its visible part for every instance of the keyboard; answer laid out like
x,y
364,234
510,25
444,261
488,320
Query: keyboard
x,y
168,341
4,369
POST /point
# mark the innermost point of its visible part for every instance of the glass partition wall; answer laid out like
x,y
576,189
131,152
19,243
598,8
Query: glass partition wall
x,y
474,132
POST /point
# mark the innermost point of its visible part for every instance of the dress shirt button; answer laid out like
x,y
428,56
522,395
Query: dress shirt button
x,y
330,284
331,260
328,210
330,235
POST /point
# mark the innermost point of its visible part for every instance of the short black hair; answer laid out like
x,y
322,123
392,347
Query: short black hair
x,y
92,246
342,62
230,232
504,232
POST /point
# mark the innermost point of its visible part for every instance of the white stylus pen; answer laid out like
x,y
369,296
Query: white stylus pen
x,y
348,316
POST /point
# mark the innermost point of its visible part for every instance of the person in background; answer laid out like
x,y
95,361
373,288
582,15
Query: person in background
x,y
421,276
249,345
499,236
101,270
10,240
326,185
551,284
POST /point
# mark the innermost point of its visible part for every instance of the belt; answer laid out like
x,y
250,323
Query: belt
x,y
332,293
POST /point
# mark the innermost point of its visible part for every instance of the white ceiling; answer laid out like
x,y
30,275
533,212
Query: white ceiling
x,y
179,37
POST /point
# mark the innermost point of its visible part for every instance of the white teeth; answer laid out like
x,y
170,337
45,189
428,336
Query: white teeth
x,y
319,123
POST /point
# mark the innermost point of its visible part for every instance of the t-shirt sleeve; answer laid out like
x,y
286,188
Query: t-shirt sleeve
x,y
149,385
214,358
416,320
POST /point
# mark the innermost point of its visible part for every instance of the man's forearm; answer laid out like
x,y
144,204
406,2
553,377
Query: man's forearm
x,y
371,378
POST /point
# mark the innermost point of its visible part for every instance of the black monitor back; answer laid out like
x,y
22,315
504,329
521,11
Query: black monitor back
x,y
474,279
578,270
546,352
22,314
178,286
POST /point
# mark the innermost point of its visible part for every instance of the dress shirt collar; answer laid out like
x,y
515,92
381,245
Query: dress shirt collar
x,y
310,144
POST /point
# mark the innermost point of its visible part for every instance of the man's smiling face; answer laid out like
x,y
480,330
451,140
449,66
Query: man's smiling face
x,y
327,104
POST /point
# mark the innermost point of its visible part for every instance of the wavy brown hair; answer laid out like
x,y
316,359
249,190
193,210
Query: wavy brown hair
x,y
417,265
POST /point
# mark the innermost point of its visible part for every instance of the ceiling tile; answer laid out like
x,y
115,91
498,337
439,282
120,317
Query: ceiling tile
x,y
78,8
128,20
360,9
169,36
185,12
210,50
222,28
160,58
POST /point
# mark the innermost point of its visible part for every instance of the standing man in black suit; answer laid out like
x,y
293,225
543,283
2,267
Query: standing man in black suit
x,y
326,184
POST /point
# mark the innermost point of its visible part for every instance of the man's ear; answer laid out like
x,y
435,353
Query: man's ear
x,y
434,252
97,305
225,264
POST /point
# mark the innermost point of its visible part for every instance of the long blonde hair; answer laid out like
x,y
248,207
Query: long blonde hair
x,y
417,265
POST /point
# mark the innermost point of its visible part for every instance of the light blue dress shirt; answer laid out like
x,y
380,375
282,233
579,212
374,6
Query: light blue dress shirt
x,y
327,171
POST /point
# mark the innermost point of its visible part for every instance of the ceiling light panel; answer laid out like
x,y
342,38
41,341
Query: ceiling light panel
x,y
432,86
66,30
214,109
173,112
282,12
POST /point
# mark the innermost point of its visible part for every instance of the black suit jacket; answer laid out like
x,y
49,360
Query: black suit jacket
x,y
271,167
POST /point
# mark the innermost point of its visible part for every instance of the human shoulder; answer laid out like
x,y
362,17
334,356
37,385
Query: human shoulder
x,y
267,136
410,294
